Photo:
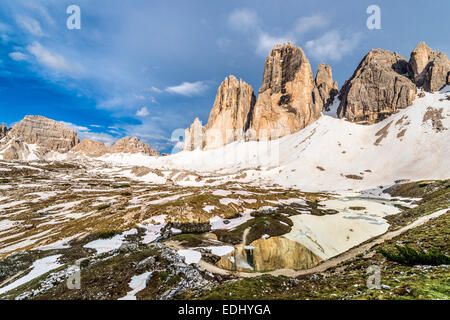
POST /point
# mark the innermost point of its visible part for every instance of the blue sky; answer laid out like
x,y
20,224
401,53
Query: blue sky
x,y
146,68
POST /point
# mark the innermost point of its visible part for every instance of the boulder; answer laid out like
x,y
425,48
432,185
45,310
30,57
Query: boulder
x,y
378,88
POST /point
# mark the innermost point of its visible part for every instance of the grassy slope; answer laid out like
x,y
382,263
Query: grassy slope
x,y
348,280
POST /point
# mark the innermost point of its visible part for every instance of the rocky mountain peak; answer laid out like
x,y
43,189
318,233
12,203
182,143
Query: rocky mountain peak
x,y
228,119
430,69
91,148
49,134
378,88
286,100
132,145
194,136
95,149
326,87
3,131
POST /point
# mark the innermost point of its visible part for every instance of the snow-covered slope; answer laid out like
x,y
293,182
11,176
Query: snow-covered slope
x,y
332,154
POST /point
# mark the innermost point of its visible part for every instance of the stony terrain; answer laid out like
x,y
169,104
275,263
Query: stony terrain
x,y
108,229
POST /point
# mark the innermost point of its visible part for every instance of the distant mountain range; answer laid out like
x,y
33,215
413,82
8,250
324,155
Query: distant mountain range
x,y
290,98
388,122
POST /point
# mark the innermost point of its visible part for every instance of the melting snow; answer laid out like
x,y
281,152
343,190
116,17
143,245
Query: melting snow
x,y
137,283
40,267
190,256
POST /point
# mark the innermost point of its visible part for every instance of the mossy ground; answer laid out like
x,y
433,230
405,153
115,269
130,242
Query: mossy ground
x,y
348,280
109,278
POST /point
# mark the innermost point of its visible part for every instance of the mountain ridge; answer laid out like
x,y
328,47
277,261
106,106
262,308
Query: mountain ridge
x,y
383,83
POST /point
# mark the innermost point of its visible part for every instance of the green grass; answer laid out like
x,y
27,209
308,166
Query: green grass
x,y
411,257
120,186
103,207
107,234
188,239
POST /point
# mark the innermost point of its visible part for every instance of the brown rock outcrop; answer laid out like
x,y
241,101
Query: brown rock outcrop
x,y
286,102
3,131
194,136
228,119
270,254
326,87
91,148
377,89
429,69
35,136
46,133
132,145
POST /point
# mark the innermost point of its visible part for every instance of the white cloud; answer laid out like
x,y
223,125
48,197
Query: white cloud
x,y
306,24
47,58
18,56
189,88
244,20
248,22
34,6
86,133
143,112
155,89
331,46
98,136
74,126
31,25
266,42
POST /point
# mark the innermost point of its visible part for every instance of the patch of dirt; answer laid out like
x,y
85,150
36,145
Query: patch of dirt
x,y
401,133
382,133
435,115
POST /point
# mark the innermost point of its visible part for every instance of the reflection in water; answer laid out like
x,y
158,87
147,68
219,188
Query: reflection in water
x,y
269,254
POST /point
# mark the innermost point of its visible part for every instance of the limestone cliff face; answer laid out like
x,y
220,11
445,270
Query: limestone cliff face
x,y
194,137
133,145
46,133
34,137
378,88
3,131
286,102
326,88
429,69
91,148
289,99
270,254
228,119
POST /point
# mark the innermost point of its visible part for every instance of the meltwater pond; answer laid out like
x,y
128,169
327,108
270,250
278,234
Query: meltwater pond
x,y
314,238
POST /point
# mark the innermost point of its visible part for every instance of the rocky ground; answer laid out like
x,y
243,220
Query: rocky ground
x,y
58,219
